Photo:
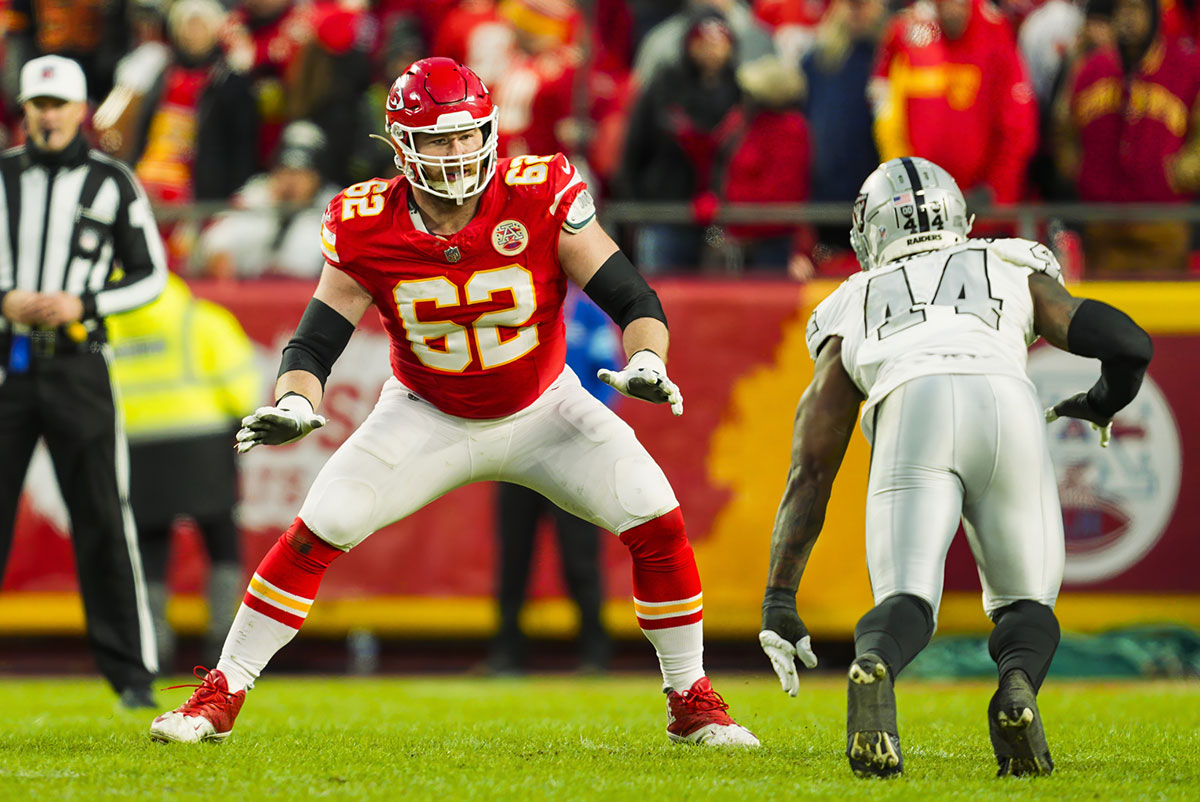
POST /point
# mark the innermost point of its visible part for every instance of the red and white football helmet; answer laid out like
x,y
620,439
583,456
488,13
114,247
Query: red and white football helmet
x,y
439,96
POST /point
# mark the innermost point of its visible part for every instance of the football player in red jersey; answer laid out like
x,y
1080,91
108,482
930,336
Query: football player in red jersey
x,y
466,258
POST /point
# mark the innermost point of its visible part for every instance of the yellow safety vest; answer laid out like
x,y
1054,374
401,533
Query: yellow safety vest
x,y
184,367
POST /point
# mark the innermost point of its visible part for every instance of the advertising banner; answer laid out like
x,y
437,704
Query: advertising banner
x,y
738,353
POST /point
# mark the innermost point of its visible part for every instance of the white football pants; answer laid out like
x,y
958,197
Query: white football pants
x,y
566,445
951,446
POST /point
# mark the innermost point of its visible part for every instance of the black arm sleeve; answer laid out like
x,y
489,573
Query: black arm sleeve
x,y
619,289
318,342
1124,349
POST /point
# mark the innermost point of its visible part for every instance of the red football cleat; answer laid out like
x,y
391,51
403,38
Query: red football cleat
x,y
699,716
207,716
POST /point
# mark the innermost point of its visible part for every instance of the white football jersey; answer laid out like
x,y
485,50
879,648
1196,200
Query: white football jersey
x,y
962,309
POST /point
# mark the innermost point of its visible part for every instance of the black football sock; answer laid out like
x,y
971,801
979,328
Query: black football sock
x,y
896,629
1025,637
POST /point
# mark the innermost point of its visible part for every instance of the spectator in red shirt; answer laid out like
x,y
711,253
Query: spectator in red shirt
x,y
1128,135
766,157
949,85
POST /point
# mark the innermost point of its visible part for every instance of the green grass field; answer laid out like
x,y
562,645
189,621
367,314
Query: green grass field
x,y
574,738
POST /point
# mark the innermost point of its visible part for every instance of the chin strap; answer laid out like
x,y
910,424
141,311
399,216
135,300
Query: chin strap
x,y
398,159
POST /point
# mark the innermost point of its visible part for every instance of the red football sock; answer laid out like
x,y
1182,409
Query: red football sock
x,y
285,584
666,584
667,598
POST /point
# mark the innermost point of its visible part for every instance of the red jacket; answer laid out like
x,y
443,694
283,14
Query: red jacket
x,y
965,104
768,161
1128,127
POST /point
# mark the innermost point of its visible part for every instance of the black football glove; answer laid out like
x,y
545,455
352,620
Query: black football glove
x,y
784,638
1080,406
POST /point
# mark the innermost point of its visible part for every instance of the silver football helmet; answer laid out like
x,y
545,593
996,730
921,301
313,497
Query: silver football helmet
x,y
908,205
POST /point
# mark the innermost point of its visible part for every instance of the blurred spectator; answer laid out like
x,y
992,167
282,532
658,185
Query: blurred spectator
x,y
1046,39
271,228
1093,32
89,32
1129,135
120,120
536,94
474,33
793,25
837,70
664,44
1097,32
670,148
553,97
765,149
187,376
369,158
949,85
262,39
194,122
329,74
592,343
1180,19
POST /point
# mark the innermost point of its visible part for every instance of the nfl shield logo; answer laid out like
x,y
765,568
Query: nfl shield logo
x,y
453,254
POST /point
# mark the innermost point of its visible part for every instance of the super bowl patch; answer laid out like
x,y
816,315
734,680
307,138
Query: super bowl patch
x,y
509,237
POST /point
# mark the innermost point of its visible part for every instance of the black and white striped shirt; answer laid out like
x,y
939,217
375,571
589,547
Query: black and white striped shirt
x,y
68,220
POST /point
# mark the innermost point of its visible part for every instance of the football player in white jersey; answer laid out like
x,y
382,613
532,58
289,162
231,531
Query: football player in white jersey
x,y
932,335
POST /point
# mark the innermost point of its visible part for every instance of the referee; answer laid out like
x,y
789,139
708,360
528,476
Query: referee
x,y
77,242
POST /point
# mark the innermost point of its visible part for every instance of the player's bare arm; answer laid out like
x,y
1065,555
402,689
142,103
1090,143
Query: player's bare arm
x,y
1092,329
593,261
335,309
824,423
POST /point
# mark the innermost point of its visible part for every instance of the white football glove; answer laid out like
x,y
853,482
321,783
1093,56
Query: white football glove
x,y
784,638
783,654
645,377
284,423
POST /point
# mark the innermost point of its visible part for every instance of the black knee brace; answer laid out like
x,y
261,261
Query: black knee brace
x,y
1025,637
896,629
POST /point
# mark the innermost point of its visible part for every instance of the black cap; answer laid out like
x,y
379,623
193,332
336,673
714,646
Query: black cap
x,y
301,146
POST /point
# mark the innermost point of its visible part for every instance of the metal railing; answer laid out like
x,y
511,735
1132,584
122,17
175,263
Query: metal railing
x,y
1028,217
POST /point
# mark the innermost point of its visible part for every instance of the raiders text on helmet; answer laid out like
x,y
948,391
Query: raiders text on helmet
x,y
907,206
441,96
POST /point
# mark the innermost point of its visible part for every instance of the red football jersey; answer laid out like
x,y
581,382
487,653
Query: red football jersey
x,y
475,319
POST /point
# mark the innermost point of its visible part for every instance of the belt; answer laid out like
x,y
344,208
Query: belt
x,y
49,343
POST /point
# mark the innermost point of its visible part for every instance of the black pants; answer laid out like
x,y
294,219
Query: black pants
x,y
68,401
520,510
193,477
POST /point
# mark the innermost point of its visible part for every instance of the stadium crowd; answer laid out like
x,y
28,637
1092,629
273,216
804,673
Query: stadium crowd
x,y
261,110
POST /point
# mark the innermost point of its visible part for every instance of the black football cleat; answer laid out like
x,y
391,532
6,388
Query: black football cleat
x,y
872,739
1015,726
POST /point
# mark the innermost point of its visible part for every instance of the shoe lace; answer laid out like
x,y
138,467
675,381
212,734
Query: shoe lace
x,y
207,694
704,700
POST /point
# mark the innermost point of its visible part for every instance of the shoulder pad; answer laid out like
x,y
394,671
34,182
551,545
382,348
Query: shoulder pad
x,y
1027,254
828,319
356,208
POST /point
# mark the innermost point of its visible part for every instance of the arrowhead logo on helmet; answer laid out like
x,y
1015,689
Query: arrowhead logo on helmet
x,y
440,96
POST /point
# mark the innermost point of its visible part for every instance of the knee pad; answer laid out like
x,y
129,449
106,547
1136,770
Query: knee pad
x,y
642,488
343,511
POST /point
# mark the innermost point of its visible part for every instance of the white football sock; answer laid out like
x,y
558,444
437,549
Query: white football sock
x,y
680,654
252,641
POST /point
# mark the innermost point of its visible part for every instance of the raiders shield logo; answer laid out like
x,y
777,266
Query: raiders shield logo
x,y
509,237
453,254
